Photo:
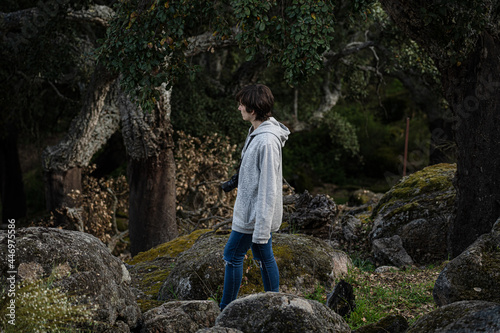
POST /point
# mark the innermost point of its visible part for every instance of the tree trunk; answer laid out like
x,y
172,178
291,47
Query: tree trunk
x,y
11,180
62,163
149,143
330,97
152,201
59,184
472,90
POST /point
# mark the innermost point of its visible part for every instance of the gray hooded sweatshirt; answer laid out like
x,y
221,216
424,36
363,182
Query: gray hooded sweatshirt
x,y
258,209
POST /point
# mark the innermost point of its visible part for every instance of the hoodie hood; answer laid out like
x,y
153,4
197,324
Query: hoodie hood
x,y
272,126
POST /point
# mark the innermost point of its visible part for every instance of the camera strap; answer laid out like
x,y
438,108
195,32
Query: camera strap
x,y
244,150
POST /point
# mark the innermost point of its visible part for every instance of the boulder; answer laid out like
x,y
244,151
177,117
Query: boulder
x,y
389,324
391,249
418,209
303,261
363,197
474,274
149,269
313,215
85,267
463,316
279,312
349,225
351,229
180,316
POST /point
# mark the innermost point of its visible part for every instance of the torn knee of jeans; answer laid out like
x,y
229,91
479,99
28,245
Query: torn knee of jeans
x,y
227,262
257,262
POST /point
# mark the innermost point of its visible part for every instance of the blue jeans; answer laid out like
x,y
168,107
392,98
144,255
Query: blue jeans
x,y
234,254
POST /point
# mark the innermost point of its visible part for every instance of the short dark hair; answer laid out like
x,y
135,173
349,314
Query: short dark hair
x,y
258,98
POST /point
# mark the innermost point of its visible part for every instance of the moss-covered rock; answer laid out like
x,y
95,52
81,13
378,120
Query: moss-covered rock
x,y
474,274
170,249
464,316
151,268
419,209
363,197
86,270
303,261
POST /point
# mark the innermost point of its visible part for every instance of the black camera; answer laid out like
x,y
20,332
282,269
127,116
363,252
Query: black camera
x,y
231,184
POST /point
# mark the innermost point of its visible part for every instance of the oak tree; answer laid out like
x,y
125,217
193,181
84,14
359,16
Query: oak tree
x,y
463,39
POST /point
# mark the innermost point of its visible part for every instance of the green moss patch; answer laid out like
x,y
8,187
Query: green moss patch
x,y
432,179
170,249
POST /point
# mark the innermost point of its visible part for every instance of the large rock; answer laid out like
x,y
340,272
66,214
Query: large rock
x,y
313,215
90,271
180,316
279,312
303,261
390,249
418,209
363,197
464,316
474,274
149,269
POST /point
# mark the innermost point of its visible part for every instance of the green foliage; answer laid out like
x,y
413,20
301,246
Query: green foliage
x,y
380,129
43,307
342,133
310,158
319,294
358,140
147,40
362,263
408,293
199,109
459,23
296,33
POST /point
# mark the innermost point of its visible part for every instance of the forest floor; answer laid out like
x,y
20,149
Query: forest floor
x,y
405,292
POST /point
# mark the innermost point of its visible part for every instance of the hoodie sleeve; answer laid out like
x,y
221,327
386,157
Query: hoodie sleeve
x,y
269,162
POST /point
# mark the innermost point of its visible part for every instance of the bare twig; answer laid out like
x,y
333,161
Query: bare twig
x,y
215,228
117,238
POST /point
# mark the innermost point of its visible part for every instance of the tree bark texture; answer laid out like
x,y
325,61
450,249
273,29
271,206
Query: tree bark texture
x,y
98,120
151,170
471,88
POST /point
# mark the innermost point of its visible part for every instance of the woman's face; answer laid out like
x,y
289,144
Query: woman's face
x,y
248,116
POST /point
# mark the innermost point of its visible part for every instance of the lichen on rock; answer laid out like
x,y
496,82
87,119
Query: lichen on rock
x,y
474,274
81,265
151,268
303,261
418,209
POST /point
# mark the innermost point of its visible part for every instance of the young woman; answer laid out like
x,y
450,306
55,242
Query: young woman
x,y
258,209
